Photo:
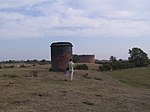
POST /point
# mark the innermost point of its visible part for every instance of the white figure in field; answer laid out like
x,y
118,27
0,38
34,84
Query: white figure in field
x,y
69,69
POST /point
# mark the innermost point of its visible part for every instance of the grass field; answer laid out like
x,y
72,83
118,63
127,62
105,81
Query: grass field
x,y
136,77
35,89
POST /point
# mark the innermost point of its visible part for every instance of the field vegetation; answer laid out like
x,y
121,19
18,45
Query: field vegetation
x,y
136,77
33,88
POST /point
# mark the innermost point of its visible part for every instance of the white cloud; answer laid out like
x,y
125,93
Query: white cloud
x,y
87,18
17,3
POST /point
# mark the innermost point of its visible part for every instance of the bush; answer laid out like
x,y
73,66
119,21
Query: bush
x,y
82,67
116,65
10,66
33,65
50,69
22,66
121,65
105,67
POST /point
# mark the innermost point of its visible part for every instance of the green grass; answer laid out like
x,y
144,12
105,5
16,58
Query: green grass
x,y
136,77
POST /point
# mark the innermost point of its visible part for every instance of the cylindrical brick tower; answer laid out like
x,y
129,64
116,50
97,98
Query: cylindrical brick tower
x,y
61,53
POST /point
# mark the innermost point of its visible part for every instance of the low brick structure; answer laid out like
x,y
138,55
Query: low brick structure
x,y
86,58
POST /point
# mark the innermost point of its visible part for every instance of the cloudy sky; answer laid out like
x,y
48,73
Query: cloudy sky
x,y
101,27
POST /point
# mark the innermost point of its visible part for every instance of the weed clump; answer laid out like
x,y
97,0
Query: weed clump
x,y
50,69
22,66
34,73
86,76
82,67
105,67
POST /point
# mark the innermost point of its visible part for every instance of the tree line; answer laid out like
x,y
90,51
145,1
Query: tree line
x,y
137,58
34,61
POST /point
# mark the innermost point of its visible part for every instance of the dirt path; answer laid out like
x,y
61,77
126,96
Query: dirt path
x,y
90,91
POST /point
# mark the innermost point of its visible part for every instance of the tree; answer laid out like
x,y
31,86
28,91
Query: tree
x,y
138,57
112,58
149,61
42,62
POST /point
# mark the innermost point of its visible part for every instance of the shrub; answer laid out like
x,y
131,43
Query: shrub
x,y
81,67
22,66
115,66
105,67
86,75
50,69
10,66
33,65
121,65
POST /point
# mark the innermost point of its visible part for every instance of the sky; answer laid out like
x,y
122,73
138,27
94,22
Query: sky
x,y
101,27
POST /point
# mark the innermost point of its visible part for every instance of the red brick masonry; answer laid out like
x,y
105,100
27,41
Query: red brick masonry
x,y
86,58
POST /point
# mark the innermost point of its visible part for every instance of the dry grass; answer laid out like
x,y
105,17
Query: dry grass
x,y
91,91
